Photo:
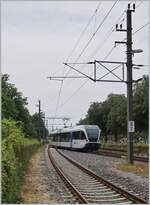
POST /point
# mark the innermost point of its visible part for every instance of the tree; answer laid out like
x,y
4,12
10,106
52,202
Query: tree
x,y
140,105
39,127
116,122
109,115
97,114
13,103
14,107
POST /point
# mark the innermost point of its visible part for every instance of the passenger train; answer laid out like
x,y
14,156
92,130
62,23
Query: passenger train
x,y
82,137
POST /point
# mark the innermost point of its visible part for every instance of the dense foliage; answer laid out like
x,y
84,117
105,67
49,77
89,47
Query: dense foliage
x,y
16,152
111,115
140,107
14,107
19,133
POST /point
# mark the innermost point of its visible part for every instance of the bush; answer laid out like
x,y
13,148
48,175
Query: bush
x,y
16,152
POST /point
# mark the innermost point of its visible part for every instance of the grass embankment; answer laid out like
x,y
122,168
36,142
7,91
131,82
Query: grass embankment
x,y
16,152
138,148
138,169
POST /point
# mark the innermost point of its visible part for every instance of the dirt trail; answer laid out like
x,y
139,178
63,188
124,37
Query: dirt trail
x,y
37,186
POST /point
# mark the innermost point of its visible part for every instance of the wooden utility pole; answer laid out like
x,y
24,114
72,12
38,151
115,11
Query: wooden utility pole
x,y
39,130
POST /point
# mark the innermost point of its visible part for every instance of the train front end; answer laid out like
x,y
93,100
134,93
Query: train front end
x,y
93,136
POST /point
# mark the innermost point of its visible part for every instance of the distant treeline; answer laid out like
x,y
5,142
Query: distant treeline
x,y
111,115
14,108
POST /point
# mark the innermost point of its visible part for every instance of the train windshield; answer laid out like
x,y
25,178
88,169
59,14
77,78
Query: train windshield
x,y
92,133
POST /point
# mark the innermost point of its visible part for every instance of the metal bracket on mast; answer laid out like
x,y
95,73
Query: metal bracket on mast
x,y
95,78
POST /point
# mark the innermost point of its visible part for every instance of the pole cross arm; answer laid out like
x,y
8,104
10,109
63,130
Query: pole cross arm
x,y
55,78
136,81
79,71
120,42
121,30
115,62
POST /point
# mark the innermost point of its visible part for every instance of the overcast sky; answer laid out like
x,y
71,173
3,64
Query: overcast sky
x,y
38,36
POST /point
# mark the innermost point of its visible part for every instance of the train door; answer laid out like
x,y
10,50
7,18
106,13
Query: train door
x,y
71,138
78,140
59,140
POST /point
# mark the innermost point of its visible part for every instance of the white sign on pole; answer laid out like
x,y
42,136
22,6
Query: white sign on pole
x,y
131,126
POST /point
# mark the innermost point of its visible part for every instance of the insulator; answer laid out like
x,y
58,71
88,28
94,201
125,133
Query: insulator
x,y
116,26
120,26
128,6
134,6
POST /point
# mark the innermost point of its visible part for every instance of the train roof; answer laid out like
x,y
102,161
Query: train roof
x,y
75,128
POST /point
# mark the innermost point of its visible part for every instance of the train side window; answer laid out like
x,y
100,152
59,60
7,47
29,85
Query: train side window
x,y
67,137
82,135
63,137
76,135
55,138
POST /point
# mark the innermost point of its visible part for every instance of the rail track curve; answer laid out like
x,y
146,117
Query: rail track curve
x,y
85,185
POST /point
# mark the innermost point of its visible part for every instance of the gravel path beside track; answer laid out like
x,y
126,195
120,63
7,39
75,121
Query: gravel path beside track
x,y
39,182
105,167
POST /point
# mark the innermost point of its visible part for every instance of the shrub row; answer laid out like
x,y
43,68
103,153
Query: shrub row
x,y
16,152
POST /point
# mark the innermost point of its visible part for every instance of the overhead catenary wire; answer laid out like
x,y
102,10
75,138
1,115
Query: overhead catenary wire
x,y
98,28
80,37
107,36
109,53
89,41
79,88
140,28
82,33
86,45
58,99
139,4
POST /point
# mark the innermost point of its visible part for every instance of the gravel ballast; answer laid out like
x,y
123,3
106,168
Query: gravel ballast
x,y
106,167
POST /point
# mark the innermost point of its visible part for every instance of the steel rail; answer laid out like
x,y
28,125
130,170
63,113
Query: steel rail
x,y
119,190
110,153
70,186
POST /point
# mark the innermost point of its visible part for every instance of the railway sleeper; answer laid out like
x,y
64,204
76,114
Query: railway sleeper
x,y
117,200
67,196
93,185
105,197
101,193
93,190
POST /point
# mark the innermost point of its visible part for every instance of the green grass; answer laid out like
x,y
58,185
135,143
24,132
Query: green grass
x,y
138,147
138,169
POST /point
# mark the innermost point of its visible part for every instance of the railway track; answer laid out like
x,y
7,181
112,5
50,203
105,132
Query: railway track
x,y
86,186
119,154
